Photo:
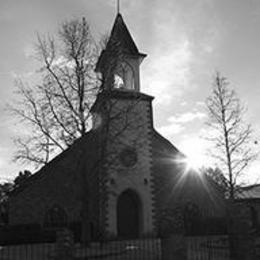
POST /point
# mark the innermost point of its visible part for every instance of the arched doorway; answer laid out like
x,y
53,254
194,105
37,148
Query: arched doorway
x,y
128,215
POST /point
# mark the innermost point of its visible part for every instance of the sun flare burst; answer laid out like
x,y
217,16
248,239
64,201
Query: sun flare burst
x,y
195,152
195,162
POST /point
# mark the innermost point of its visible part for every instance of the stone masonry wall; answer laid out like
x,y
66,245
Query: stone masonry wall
x,y
134,126
57,185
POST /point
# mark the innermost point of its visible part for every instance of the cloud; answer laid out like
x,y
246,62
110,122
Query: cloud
x,y
167,75
177,123
187,117
181,43
29,51
171,129
22,76
184,103
200,104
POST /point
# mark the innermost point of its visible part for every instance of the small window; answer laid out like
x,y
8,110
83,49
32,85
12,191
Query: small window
x,y
55,217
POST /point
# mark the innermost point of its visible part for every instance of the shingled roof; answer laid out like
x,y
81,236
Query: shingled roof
x,y
249,192
87,144
121,35
122,39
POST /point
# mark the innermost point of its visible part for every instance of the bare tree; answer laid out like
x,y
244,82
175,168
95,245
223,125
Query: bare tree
x,y
56,111
231,136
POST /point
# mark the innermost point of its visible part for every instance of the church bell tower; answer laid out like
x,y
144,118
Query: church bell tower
x,y
121,58
124,116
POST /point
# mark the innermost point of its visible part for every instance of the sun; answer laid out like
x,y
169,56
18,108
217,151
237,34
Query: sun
x,y
195,152
195,161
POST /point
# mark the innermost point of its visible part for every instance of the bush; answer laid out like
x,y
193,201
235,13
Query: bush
x,y
207,226
33,233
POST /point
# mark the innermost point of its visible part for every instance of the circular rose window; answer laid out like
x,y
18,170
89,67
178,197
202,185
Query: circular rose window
x,y
128,157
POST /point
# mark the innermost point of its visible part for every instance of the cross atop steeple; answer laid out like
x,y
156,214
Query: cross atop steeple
x,y
118,6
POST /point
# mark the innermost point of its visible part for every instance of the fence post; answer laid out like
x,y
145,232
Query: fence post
x,y
64,244
240,232
174,247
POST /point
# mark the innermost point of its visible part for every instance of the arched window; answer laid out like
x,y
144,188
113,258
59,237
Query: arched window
x,y
55,217
124,77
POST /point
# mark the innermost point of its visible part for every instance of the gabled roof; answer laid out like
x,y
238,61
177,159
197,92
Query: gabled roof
x,y
86,144
162,146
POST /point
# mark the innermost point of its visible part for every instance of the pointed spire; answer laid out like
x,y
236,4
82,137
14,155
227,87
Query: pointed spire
x,y
121,35
122,39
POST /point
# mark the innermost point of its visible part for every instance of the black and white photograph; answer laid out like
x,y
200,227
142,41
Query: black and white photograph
x,y
129,129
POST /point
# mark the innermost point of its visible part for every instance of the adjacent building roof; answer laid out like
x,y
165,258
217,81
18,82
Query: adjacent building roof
x,y
249,192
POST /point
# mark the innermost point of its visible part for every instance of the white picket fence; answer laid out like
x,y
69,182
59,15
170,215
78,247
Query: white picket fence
x,y
28,252
140,249
208,248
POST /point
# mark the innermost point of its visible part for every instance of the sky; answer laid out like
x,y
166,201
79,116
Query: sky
x,y
186,42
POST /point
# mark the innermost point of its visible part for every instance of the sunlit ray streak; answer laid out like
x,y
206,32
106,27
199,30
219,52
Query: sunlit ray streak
x,y
185,171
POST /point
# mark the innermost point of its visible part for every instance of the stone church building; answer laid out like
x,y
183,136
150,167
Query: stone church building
x,y
122,179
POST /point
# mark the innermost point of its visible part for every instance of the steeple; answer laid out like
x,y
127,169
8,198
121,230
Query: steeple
x,y
122,37
120,60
